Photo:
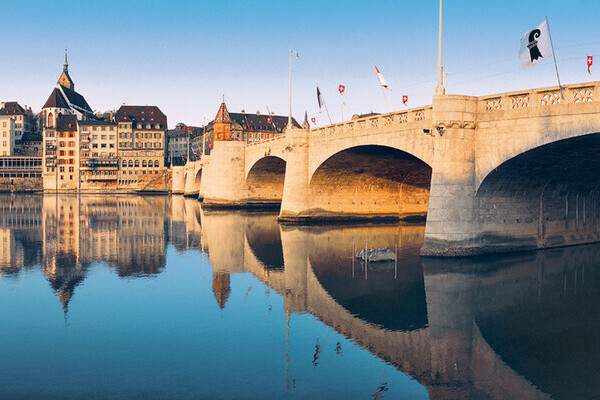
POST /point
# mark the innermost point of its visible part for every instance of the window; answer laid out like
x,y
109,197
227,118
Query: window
x,y
85,129
112,146
62,169
94,137
71,169
148,126
103,145
112,128
94,145
157,126
103,128
137,163
50,119
103,137
143,163
139,126
111,137
71,152
156,163
130,163
94,128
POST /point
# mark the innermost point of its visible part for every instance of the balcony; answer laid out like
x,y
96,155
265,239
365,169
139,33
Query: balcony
x,y
110,164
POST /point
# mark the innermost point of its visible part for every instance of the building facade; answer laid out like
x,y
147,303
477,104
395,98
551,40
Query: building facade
x,y
7,135
141,144
98,164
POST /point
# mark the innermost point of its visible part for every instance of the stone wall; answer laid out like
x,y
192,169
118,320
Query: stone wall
x,y
20,184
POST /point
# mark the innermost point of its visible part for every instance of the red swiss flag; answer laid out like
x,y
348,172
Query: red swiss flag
x,y
342,88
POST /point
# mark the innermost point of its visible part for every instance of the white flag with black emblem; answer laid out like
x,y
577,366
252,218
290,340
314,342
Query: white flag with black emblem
x,y
535,46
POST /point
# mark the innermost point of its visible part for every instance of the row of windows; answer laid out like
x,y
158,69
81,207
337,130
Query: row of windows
x,y
20,174
130,163
95,128
139,135
155,145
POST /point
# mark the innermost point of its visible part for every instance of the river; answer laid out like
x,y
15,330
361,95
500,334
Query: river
x,y
152,297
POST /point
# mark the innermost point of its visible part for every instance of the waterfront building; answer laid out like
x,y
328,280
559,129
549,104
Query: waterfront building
x,y
141,144
67,106
99,164
251,128
62,159
7,135
178,143
25,123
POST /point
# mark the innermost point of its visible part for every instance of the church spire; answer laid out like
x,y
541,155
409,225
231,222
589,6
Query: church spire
x,y
305,124
66,64
65,80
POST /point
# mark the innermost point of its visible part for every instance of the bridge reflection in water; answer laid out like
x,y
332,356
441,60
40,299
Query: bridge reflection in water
x,y
503,327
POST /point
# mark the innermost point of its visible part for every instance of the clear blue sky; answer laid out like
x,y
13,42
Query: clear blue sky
x,y
183,55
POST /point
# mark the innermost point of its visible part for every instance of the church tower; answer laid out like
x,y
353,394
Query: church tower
x,y
222,124
65,80
305,124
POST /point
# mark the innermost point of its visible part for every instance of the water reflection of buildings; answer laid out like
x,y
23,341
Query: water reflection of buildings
x,y
509,327
65,234
494,328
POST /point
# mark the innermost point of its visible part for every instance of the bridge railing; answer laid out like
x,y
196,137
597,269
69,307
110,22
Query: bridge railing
x,y
276,137
544,97
397,118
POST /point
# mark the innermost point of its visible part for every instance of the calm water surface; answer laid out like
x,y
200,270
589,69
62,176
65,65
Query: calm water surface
x,y
152,298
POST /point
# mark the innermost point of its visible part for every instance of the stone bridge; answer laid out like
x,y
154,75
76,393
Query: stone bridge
x,y
187,179
513,171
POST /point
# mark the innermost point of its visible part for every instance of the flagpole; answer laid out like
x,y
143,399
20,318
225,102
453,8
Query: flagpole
x,y
289,125
342,105
554,56
327,110
204,138
439,89
385,98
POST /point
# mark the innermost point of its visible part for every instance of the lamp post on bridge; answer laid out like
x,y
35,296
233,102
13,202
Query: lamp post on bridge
x,y
439,89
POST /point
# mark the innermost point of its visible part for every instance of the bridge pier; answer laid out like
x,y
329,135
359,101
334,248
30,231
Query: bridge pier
x,y
452,227
295,188
178,179
224,185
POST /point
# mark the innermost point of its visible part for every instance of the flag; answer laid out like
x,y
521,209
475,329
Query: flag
x,y
248,124
590,62
313,120
320,99
535,46
269,120
405,99
382,81
342,88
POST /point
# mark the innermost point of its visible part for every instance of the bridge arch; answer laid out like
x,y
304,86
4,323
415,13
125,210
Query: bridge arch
x,y
415,143
265,180
371,181
546,196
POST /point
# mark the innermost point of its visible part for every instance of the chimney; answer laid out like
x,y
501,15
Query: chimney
x,y
257,112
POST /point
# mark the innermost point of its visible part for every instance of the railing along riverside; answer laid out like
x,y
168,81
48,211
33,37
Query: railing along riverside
x,y
543,97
